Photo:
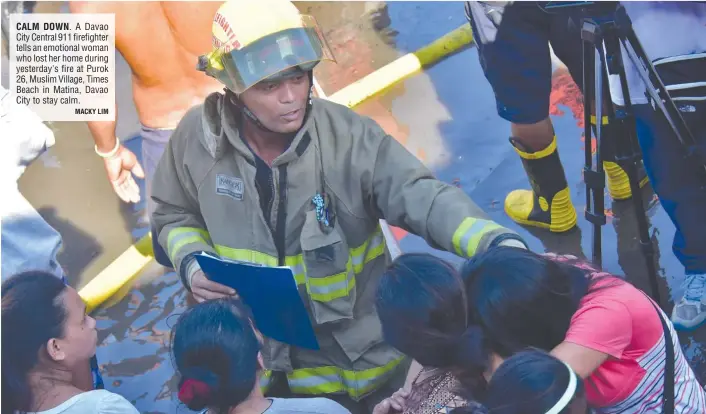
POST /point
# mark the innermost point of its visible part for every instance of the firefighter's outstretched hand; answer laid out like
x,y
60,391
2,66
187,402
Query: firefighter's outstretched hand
x,y
120,168
393,404
204,289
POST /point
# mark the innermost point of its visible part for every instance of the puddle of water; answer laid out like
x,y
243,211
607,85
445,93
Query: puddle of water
x,y
134,342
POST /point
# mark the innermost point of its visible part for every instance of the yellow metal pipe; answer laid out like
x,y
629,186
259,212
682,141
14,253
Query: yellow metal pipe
x,y
402,68
129,264
121,271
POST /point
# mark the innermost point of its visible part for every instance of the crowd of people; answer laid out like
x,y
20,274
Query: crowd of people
x,y
468,322
266,173
509,332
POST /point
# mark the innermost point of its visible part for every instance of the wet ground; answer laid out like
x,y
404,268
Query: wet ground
x,y
445,115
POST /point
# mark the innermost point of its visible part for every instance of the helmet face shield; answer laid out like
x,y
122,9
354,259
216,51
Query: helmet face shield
x,y
296,47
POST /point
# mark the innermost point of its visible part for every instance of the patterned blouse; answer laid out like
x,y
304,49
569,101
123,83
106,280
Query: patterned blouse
x,y
433,392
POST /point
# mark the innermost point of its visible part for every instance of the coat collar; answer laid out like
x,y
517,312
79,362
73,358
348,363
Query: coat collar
x,y
221,130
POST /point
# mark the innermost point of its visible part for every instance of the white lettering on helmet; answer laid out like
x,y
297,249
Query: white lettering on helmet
x,y
228,31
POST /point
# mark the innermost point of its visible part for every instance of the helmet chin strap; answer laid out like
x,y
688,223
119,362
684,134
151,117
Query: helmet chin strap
x,y
251,116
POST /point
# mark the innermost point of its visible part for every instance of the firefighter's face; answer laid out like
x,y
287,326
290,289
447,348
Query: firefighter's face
x,y
279,105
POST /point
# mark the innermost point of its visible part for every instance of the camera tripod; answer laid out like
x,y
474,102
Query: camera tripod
x,y
602,36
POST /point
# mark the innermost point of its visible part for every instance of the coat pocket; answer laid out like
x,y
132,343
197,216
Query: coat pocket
x,y
330,280
358,336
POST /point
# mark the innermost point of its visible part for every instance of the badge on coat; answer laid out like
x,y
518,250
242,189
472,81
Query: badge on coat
x,y
229,186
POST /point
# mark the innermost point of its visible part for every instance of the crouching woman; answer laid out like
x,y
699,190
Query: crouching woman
x,y
49,338
610,333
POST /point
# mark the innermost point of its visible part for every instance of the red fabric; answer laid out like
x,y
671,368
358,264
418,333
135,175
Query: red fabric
x,y
192,388
621,322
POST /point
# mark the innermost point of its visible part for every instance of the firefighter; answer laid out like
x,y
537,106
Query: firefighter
x,y
265,173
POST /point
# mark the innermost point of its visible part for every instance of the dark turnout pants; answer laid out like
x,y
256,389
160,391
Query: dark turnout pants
x,y
513,41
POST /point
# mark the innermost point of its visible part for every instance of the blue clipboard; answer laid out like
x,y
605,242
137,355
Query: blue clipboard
x,y
272,295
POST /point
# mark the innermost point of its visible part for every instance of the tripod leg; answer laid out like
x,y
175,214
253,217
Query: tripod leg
x,y
630,165
588,55
628,155
594,179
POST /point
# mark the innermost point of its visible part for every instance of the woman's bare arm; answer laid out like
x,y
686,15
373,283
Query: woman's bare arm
x,y
581,359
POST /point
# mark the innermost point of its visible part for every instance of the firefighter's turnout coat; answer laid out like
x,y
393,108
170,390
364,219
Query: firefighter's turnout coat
x,y
214,195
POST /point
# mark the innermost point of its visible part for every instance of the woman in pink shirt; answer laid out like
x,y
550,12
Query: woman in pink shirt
x,y
607,330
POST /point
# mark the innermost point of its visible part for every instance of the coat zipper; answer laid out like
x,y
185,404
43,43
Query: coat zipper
x,y
279,234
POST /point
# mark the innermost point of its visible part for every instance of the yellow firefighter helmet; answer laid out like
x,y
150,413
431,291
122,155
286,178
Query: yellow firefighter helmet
x,y
258,39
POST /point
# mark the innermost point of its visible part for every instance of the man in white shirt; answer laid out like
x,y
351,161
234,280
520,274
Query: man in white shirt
x,y
28,242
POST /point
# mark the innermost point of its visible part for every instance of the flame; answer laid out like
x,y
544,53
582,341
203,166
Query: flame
x,y
566,92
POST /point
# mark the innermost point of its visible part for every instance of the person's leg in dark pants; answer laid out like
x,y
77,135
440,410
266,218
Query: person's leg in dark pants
x,y
680,188
513,47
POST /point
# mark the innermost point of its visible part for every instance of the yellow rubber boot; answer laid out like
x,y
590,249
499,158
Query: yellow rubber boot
x,y
618,183
617,179
548,204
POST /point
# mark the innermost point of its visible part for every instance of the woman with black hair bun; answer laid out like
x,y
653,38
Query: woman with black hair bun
x,y
424,312
216,352
533,382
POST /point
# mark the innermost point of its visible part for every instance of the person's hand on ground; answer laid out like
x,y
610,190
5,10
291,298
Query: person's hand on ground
x,y
120,168
393,404
204,289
